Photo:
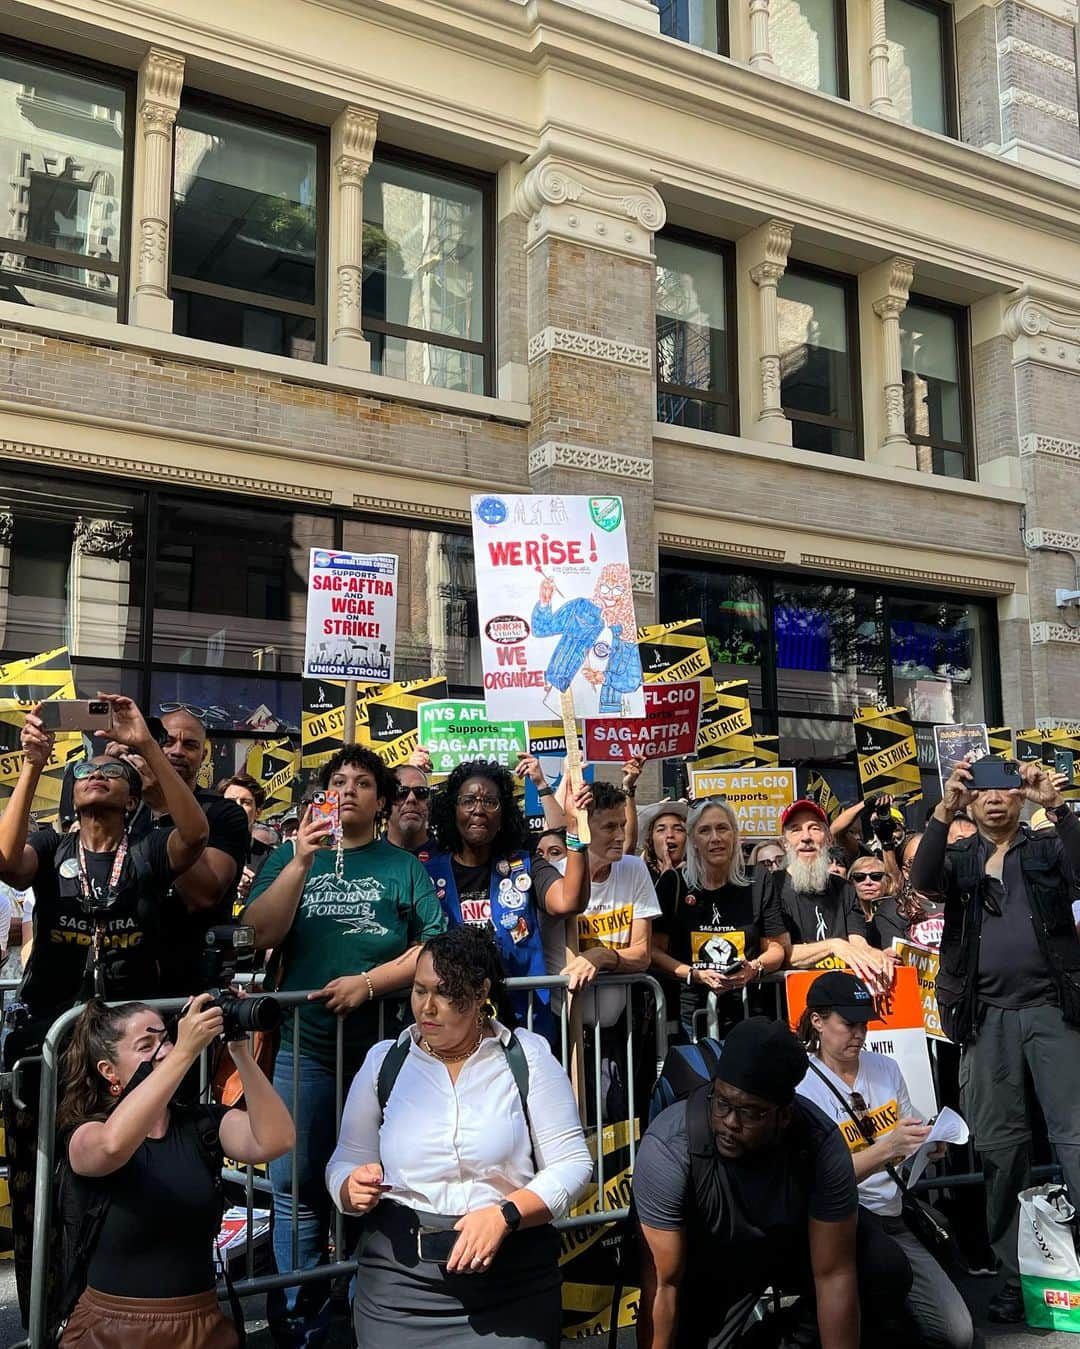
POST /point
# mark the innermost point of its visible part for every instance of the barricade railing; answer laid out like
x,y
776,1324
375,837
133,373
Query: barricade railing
x,y
596,1043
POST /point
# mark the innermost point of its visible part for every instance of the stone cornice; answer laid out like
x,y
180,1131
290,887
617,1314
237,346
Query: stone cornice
x,y
1044,329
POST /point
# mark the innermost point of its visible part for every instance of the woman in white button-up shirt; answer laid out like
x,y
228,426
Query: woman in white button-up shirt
x,y
453,1150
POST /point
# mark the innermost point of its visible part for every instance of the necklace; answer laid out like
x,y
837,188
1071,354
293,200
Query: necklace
x,y
452,1058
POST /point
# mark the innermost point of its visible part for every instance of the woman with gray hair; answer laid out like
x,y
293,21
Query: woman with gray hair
x,y
717,932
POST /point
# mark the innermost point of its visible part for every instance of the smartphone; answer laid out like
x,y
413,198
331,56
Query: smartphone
x,y
1063,762
75,714
326,807
991,773
434,1245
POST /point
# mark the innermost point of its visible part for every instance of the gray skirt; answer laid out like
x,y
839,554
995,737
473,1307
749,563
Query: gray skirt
x,y
404,1303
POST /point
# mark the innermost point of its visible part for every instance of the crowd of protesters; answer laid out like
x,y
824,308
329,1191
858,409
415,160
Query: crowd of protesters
x,y
461,1140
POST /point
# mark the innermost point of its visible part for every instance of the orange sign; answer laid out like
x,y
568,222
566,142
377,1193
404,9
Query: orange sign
x,y
899,1009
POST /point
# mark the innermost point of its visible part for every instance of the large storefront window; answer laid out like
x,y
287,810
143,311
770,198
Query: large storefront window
x,y
62,191
828,645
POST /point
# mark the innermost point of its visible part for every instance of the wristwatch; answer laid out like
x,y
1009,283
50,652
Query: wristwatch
x,y
544,791
511,1215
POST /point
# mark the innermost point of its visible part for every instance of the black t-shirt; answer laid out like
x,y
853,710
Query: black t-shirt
x,y
886,924
183,933
1013,971
56,976
158,1236
835,912
474,888
713,927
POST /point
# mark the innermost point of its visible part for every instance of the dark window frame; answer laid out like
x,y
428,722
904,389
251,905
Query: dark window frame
x,y
947,27
962,318
484,183
125,80
726,251
850,287
723,30
228,109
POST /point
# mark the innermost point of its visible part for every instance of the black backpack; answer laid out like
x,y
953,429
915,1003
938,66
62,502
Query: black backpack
x,y
81,1205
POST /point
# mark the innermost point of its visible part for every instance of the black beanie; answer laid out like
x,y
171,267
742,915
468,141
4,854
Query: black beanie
x,y
764,1058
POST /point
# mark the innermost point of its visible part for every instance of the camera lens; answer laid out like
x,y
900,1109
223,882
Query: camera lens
x,y
242,1015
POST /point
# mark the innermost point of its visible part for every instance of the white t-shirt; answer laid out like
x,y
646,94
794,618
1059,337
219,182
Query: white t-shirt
x,y
881,1085
627,894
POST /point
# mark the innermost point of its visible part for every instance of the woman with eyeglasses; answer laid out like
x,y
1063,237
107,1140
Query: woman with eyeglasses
x,y
487,877
98,899
717,932
865,1093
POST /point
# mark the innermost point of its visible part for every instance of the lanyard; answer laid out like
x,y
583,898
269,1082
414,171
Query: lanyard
x,y
114,876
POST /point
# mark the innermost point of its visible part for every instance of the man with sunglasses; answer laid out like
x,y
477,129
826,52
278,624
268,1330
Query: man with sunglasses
x,y
98,901
741,1186
410,809
1008,985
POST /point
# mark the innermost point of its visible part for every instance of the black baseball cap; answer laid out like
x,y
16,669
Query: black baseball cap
x,y
842,992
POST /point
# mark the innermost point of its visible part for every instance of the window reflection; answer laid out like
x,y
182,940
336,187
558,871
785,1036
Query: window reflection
x,y
803,42
692,343
816,368
938,650
829,647
701,23
934,391
732,610
917,78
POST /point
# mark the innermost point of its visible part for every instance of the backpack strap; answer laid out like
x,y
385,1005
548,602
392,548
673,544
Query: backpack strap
x,y
890,1170
389,1069
203,1128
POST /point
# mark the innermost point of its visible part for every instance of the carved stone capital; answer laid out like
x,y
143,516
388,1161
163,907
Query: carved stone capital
x,y
1044,328
767,273
158,117
163,76
901,273
359,129
351,171
103,538
589,206
891,307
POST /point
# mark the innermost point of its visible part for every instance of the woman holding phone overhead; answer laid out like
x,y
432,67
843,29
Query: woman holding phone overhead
x,y
460,1143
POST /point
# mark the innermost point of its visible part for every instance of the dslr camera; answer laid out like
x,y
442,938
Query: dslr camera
x,y
228,950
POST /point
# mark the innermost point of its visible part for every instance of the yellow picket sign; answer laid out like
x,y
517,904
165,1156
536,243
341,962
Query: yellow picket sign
x,y
925,964
885,750
671,652
391,717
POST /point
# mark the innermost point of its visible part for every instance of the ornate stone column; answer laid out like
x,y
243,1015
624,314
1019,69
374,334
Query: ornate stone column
x,y
98,583
888,307
767,252
880,97
760,48
352,143
161,78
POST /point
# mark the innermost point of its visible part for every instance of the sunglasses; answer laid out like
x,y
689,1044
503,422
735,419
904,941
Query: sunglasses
x,y
771,862
84,770
190,708
861,1110
861,876
403,793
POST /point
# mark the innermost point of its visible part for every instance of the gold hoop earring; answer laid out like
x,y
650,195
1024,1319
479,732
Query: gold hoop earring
x,y
488,1011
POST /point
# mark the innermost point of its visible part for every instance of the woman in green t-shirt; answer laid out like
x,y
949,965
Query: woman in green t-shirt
x,y
348,918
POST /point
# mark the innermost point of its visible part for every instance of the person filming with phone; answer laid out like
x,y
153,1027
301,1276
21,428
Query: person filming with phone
x,y
1008,986
146,1173
97,912
460,1143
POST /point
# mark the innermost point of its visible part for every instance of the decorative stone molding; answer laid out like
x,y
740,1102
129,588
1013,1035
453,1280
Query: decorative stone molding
x,y
1052,445
761,57
771,245
352,140
1014,45
643,582
161,79
7,528
385,506
888,308
588,206
1021,98
95,537
1044,328
725,547
1052,538
880,98
1044,633
589,459
595,348
233,482
987,585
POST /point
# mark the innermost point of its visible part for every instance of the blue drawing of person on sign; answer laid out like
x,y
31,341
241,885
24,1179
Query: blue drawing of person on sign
x,y
597,651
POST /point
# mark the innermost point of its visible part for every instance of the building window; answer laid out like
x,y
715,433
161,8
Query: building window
x,y
921,63
247,233
819,361
807,39
937,386
428,284
696,376
701,23
62,146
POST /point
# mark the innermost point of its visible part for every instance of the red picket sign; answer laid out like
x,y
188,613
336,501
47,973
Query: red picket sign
x,y
667,730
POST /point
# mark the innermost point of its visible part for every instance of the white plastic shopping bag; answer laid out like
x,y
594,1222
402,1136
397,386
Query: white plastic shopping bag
x,y
1049,1266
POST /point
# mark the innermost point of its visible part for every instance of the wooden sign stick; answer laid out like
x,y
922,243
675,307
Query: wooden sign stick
x,y
581,829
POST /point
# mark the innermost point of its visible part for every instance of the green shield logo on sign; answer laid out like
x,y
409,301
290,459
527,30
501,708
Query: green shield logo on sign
x,y
606,512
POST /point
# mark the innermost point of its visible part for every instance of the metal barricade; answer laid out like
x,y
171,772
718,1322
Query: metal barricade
x,y
571,1046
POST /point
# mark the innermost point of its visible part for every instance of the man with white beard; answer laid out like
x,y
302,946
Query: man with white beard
x,y
822,915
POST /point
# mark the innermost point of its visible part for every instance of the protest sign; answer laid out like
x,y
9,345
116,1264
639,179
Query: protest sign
x,y
953,744
1000,740
274,765
885,749
23,683
897,1030
726,735
758,796
391,713
1029,746
556,607
672,652
669,727
819,791
455,731
322,718
925,964
351,616
546,741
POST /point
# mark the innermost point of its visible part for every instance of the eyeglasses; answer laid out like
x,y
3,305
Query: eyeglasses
x,y
402,793
85,770
490,804
197,712
744,1114
861,877
861,1110
771,862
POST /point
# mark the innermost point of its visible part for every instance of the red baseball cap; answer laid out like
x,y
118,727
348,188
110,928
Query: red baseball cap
x,y
803,804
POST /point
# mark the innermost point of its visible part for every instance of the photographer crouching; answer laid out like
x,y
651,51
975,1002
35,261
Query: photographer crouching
x,y
145,1173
